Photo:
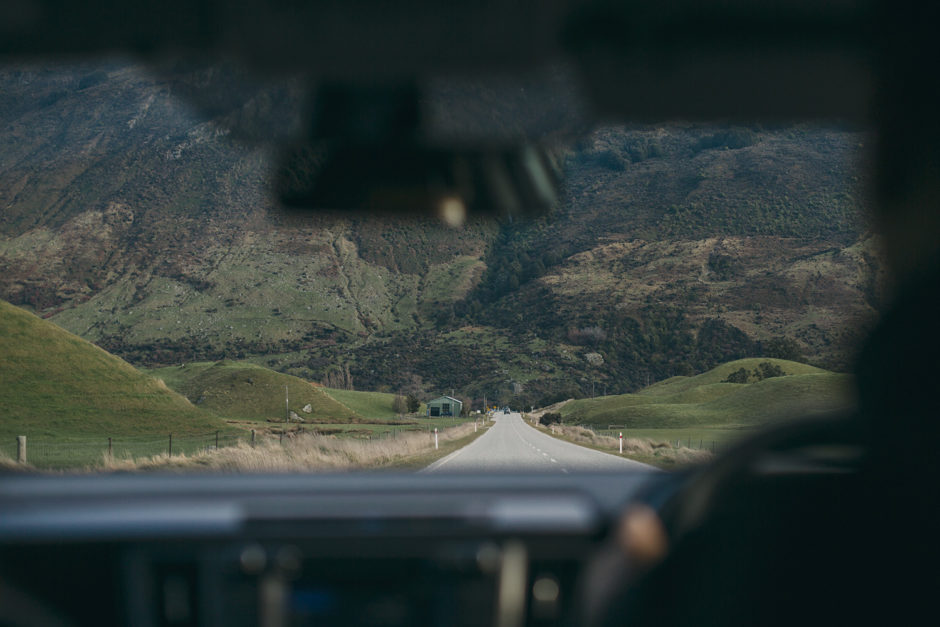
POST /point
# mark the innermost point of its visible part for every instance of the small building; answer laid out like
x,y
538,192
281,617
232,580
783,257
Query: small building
x,y
444,406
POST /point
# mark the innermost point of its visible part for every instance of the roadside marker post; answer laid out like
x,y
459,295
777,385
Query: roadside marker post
x,y
435,438
621,442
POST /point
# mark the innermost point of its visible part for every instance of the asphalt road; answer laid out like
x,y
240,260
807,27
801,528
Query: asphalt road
x,y
512,445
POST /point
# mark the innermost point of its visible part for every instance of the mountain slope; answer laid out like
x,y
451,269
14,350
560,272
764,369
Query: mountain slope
x,y
139,225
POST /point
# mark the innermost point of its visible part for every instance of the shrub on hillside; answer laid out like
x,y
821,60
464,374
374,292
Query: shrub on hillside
x,y
783,348
764,370
767,370
610,160
587,335
550,418
730,139
738,376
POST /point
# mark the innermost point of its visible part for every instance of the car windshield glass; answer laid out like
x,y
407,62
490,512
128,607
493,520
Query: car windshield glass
x,y
688,284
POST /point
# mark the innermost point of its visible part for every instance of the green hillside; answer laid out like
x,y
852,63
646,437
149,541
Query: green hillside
x,y
677,385
706,400
249,392
368,404
54,384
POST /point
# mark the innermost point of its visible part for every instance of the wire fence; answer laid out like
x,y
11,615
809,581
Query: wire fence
x,y
89,452
46,452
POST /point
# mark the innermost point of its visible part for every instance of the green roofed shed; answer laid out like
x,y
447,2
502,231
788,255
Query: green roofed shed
x,y
444,406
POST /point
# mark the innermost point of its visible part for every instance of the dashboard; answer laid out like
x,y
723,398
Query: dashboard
x,y
360,549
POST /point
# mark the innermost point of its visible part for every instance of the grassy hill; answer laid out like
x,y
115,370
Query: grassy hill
x,y
250,392
55,384
706,400
368,404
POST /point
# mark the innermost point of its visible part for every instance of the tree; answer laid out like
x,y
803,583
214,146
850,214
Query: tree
x,y
767,370
412,403
783,348
738,376
399,404
339,379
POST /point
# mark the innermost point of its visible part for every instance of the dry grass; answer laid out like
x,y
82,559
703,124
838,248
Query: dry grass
x,y
301,452
8,464
658,453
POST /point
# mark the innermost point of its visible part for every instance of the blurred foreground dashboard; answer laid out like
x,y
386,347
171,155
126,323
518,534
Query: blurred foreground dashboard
x,y
361,549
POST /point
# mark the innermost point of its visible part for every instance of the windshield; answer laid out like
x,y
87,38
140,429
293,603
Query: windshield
x,y
689,284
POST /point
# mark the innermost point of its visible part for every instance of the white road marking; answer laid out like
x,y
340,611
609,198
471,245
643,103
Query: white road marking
x,y
499,449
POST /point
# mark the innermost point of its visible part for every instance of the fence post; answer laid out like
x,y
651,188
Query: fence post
x,y
281,439
21,449
170,449
252,437
216,440
109,448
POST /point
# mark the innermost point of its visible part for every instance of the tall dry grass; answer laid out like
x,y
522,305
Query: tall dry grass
x,y
643,448
8,464
302,452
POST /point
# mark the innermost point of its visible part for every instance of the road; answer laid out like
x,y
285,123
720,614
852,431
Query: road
x,y
512,445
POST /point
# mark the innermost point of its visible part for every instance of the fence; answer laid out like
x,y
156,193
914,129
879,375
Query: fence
x,y
45,452
79,452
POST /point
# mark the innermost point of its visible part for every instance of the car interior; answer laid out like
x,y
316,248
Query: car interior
x,y
820,521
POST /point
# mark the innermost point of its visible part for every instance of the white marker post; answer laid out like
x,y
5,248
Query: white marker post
x,y
621,442
435,438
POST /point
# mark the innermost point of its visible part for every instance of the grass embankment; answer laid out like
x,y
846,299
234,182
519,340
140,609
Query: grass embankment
x,y
240,390
706,407
651,451
368,404
703,411
57,385
310,452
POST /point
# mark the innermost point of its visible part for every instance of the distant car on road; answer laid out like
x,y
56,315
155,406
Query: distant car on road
x,y
505,410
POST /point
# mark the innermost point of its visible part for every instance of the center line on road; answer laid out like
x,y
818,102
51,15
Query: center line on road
x,y
554,461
